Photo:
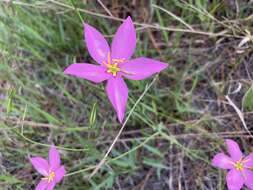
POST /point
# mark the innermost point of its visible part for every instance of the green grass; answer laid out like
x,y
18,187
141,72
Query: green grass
x,y
175,129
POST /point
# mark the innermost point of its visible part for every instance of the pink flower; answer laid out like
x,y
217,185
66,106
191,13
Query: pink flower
x,y
239,166
114,63
52,170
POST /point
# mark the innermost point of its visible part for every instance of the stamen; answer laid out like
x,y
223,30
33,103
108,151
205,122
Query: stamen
x,y
245,161
51,177
112,65
104,63
118,60
109,58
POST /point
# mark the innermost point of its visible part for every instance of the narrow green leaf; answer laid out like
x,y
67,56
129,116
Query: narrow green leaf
x,y
9,104
247,101
93,115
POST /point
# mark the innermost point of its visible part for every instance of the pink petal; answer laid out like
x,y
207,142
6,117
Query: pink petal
x,y
141,68
54,158
233,150
90,72
124,41
59,174
96,44
248,161
117,92
51,185
42,185
41,165
222,161
234,180
248,178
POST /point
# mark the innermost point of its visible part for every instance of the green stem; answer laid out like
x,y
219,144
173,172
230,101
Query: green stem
x,y
76,10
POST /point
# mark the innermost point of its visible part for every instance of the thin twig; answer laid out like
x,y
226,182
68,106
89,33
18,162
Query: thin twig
x,y
174,16
105,8
239,113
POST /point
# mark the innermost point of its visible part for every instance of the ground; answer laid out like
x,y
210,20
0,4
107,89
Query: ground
x,y
178,124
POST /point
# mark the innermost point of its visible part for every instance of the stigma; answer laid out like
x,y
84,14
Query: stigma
x,y
112,65
239,165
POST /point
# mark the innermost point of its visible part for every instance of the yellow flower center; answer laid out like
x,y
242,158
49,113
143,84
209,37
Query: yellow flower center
x,y
51,177
239,165
112,65
113,69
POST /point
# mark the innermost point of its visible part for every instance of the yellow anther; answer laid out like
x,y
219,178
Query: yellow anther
x,y
51,177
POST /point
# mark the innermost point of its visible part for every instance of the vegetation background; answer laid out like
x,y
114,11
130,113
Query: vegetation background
x,y
204,96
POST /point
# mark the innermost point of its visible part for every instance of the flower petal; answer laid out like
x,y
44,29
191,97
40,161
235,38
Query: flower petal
x,y
59,174
124,41
51,185
41,165
234,180
54,158
117,92
96,44
90,72
141,68
222,161
248,161
248,178
42,185
233,150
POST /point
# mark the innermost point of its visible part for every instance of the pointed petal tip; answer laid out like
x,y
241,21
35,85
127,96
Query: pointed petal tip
x,y
88,28
129,21
53,147
64,170
86,25
227,141
66,71
129,18
120,118
164,66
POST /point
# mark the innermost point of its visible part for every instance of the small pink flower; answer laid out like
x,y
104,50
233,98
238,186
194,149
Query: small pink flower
x,y
239,166
52,170
114,63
